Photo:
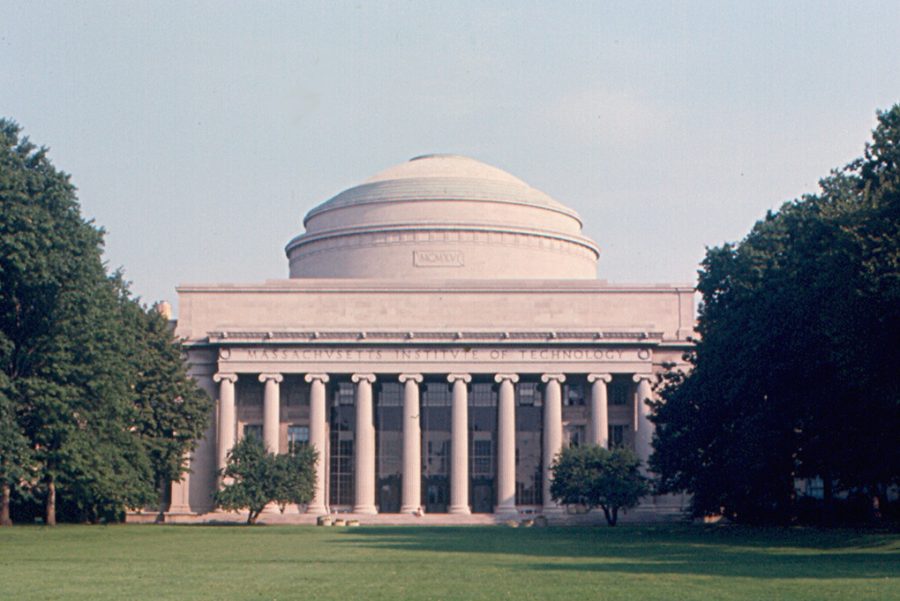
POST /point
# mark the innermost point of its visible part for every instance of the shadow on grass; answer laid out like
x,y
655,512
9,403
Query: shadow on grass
x,y
712,551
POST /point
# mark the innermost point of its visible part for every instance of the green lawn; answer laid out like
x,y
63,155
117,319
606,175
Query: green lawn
x,y
668,563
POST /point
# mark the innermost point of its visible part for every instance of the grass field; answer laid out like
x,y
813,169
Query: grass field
x,y
667,563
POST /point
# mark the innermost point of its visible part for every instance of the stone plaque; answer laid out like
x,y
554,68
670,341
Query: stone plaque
x,y
438,258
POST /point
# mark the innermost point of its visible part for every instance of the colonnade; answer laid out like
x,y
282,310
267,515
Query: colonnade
x,y
364,446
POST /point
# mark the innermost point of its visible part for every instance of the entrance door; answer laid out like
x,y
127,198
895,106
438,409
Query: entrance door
x,y
482,496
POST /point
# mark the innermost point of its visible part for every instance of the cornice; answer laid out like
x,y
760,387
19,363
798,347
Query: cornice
x,y
450,286
371,232
239,337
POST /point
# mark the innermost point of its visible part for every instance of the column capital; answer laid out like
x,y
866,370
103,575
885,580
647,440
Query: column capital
x,y
599,377
639,377
459,378
323,378
404,378
278,378
357,378
557,377
225,377
513,378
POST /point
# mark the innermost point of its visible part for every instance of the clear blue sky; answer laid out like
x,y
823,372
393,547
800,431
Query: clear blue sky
x,y
200,133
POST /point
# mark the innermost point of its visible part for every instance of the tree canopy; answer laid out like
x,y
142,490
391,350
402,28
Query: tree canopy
x,y
255,478
794,372
593,476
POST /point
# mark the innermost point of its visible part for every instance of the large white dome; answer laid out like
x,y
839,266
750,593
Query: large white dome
x,y
442,216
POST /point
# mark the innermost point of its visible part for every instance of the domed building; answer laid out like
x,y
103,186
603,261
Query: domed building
x,y
442,335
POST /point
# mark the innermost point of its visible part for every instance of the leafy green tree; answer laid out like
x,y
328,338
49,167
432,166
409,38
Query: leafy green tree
x,y
96,410
259,478
593,476
57,312
793,373
172,411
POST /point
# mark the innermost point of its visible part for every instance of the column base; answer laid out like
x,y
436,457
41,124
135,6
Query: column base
x,y
460,510
504,510
317,510
411,509
365,509
179,509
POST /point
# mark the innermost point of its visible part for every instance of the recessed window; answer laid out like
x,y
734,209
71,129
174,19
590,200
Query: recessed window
x,y
619,392
297,436
528,394
482,458
253,431
574,394
616,436
483,395
390,394
575,436
344,393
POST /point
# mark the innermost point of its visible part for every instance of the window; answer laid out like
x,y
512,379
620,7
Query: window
x,y
482,458
483,395
437,394
390,394
249,394
616,436
619,392
528,394
253,431
575,435
297,436
297,395
574,394
344,394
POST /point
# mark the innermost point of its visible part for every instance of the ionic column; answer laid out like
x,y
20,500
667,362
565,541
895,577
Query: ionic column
x,y
459,446
364,448
506,444
226,427
599,433
552,432
412,444
318,438
643,425
271,417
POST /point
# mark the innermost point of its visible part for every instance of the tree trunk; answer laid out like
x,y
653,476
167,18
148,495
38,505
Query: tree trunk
x,y
161,490
828,498
50,519
4,505
610,515
251,517
878,496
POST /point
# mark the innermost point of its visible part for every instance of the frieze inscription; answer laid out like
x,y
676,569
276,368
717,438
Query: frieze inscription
x,y
428,355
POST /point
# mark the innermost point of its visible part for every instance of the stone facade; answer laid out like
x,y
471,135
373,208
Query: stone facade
x,y
442,336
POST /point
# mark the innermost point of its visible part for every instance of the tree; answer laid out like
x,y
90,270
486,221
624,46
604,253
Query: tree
x,y
593,476
792,376
172,410
59,341
260,478
95,408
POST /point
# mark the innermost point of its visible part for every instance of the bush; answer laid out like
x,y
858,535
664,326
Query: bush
x,y
596,477
260,478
